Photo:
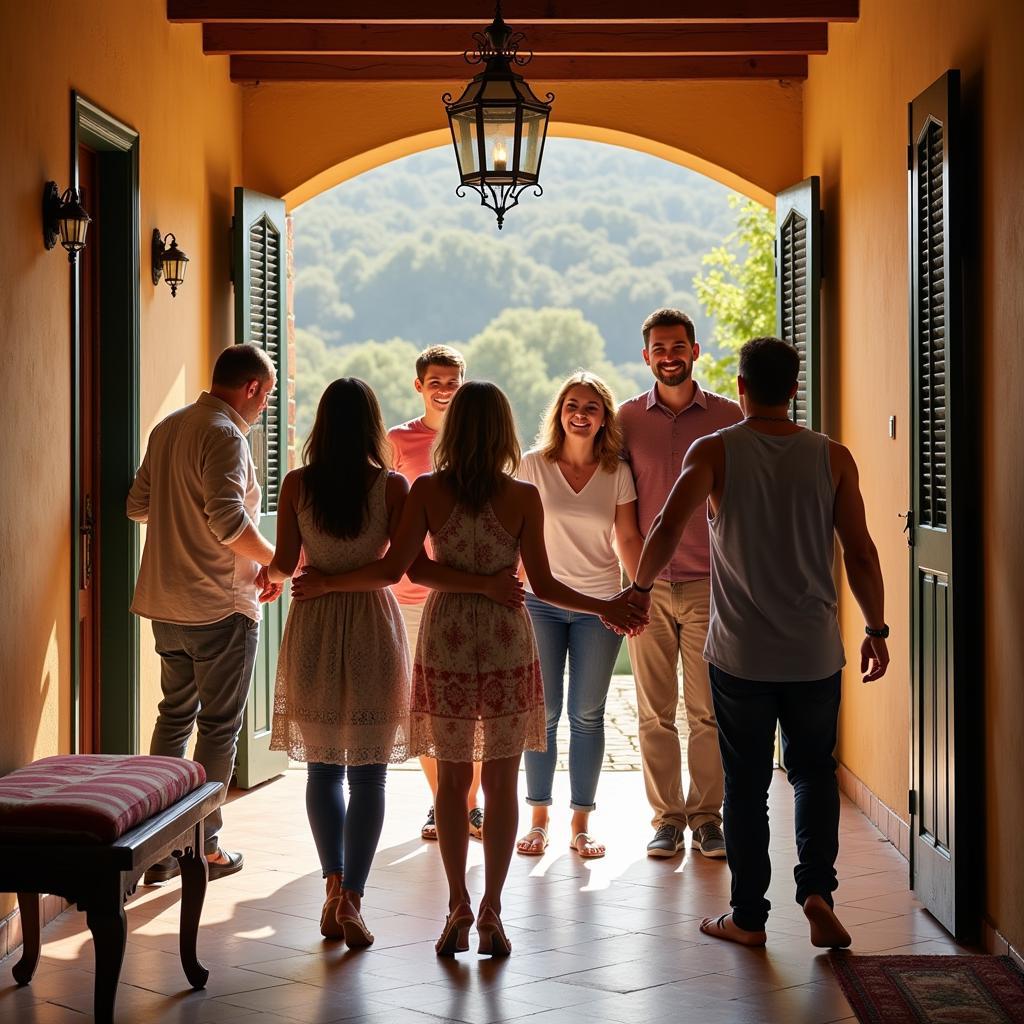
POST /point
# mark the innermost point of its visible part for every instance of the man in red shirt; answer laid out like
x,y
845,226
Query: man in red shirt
x,y
440,371
658,428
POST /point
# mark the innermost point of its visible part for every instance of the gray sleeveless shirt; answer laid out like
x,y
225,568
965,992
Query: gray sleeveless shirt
x,y
773,597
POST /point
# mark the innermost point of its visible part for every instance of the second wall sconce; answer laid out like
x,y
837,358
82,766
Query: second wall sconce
x,y
64,219
169,261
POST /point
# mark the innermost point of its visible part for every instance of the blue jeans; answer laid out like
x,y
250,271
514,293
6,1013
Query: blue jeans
x,y
346,842
592,649
808,714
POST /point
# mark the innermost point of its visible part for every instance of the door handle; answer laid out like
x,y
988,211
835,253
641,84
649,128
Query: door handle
x,y
908,526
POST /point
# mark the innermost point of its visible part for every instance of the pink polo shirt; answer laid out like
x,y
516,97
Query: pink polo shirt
x,y
411,447
656,442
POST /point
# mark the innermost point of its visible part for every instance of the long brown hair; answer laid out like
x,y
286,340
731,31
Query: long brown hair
x,y
477,447
607,440
347,439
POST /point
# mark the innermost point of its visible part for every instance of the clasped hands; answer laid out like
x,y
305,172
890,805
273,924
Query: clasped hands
x,y
628,612
269,590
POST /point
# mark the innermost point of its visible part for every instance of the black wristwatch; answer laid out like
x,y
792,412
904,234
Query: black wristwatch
x,y
882,634
642,590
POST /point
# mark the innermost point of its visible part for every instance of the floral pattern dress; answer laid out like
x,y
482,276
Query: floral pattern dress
x,y
342,688
477,690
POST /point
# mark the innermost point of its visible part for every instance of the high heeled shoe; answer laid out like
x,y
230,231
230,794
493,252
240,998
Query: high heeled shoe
x,y
455,936
329,926
353,927
493,940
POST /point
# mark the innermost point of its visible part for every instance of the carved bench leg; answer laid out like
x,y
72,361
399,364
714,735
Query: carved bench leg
x,y
109,928
194,875
28,904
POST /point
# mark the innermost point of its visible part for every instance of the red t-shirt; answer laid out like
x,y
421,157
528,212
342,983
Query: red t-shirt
x,y
411,446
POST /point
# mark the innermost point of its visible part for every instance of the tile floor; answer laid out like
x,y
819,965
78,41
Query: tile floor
x,y
613,940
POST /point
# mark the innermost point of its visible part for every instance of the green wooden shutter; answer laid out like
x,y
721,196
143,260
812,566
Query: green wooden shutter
x,y
798,289
258,269
945,844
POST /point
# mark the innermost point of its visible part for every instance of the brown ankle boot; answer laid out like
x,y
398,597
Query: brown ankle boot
x,y
329,926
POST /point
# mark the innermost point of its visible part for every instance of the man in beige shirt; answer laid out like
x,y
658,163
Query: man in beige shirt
x,y
202,575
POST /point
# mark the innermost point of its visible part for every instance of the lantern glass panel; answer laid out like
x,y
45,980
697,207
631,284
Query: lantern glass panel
x,y
499,139
466,149
174,268
532,145
72,232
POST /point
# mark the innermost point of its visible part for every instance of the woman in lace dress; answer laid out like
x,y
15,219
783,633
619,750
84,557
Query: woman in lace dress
x,y
477,691
342,692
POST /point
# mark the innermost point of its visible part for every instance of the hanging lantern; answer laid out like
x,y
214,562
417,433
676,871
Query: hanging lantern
x,y
498,125
169,261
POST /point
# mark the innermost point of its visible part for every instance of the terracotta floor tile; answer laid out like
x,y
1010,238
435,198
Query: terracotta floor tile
x,y
612,940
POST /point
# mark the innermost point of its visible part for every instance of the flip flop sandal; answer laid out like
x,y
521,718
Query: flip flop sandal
x,y
476,823
588,840
429,830
531,848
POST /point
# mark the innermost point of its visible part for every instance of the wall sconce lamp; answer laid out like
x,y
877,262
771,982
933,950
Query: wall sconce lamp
x,y
169,261
64,218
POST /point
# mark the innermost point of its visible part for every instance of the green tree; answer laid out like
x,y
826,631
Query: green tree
x,y
738,290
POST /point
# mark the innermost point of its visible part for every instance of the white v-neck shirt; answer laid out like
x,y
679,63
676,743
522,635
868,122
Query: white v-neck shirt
x,y
578,528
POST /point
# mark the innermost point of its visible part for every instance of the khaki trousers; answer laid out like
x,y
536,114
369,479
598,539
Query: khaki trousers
x,y
678,629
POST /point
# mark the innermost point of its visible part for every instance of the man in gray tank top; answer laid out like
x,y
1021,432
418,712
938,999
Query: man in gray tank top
x,y
777,495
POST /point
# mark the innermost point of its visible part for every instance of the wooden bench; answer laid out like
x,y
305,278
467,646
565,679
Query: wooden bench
x,y
90,838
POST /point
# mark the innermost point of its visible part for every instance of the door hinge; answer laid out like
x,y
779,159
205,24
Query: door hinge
x,y
912,802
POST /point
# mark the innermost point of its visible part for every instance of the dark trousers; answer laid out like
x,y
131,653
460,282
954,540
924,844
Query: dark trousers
x,y
205,672
346,838
808,713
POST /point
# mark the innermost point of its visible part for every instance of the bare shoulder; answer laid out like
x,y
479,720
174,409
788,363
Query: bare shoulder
x,y
522,493
290,485
396,486
707,449
841,460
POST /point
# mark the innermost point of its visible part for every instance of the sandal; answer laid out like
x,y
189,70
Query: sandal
x,y
455,935
493,940
354,930
429,830
476,823
588,840
528,848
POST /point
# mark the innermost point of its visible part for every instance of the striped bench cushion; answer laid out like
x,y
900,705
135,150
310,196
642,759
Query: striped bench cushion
x,y
90,798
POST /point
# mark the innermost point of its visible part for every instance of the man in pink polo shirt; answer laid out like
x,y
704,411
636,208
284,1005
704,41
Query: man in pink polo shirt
x,y
658,429
440,371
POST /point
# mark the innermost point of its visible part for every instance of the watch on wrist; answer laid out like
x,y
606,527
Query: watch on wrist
x,y
882,633
641,590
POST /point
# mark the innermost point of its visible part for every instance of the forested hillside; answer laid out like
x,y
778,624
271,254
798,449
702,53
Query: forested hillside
x,y
393,261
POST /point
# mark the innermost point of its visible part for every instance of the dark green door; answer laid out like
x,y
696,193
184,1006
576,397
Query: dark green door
x,y
258,262
944,696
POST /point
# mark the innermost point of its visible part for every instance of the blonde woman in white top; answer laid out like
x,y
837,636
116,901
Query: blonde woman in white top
x,y
589,505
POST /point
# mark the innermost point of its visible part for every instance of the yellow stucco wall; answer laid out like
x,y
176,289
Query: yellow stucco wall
x,y
855,136
122,55
302,138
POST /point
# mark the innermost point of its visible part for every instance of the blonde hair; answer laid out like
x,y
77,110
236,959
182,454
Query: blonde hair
x,y
477,448
607,440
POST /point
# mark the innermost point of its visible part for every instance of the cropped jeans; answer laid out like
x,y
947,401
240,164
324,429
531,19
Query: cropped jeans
x,y
346,841
591,649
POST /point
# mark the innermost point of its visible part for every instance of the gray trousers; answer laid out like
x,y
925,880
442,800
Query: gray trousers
x,y
205,673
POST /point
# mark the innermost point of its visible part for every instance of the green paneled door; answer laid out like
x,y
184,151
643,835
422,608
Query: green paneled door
x,y
258,270
946,846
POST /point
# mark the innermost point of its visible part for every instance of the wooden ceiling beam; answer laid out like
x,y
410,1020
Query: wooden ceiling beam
x,y
329,68
473,12
543,38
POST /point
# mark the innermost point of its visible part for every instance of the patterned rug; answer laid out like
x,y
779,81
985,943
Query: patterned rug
x,y
932,989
